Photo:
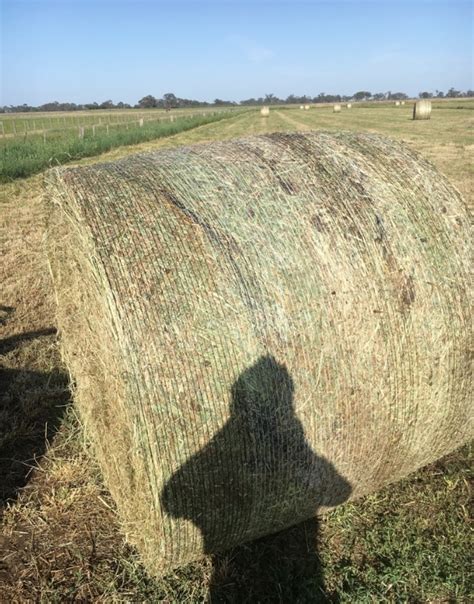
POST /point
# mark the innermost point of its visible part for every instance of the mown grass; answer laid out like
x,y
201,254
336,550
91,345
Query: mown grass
x,y
61,540
24,157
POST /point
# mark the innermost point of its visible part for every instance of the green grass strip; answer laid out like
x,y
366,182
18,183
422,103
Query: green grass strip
x,y
22,158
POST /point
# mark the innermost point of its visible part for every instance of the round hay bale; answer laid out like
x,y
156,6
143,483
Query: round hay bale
x,y
349,105
336,108
260,329
402,102
397,103
301,106
264,111
422,110
306,107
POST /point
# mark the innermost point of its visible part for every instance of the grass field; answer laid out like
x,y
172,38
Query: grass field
x,y
61,539
29,151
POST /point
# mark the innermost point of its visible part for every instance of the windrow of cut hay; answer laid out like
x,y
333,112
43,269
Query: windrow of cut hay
x,y
260,329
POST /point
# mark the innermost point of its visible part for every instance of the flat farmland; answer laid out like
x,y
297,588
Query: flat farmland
x,y
61,538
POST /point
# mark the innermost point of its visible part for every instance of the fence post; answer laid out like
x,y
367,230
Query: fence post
x,y
93,130
44,135
107,128
3,129
81,131
14,127
141,122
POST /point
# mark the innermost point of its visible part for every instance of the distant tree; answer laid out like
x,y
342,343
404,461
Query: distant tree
x,y
470,93
362,95
107,105
425,95
378,96
452,93
170,101
147,102
398,96
271,99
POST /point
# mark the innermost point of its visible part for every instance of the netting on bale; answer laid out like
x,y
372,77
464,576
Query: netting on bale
x,y
260,329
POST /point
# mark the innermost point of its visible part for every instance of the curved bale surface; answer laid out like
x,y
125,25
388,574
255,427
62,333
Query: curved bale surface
x,y
260,329
422,110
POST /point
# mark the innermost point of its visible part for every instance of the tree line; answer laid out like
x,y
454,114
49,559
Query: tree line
x,y
170,101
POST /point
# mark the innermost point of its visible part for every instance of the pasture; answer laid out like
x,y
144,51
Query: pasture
x,y
61,539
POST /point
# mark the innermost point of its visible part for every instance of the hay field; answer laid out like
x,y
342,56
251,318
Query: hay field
x,y
60,536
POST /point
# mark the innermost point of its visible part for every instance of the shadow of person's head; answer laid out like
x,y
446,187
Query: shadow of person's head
x,y
257,475
262,398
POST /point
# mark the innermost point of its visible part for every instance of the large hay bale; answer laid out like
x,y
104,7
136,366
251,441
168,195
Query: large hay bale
x,y
260,329
397,103
265,111
422,110
306,107
402,102
337,108
349,105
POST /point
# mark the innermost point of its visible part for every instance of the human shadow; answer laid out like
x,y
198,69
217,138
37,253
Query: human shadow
x,y
32,404
256,477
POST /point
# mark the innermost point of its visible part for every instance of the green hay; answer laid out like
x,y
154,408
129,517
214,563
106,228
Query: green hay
x,y
260,329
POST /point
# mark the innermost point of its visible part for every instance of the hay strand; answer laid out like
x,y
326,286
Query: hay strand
x,y
260,329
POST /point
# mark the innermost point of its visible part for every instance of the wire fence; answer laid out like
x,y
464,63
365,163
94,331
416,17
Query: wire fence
x,y
78,126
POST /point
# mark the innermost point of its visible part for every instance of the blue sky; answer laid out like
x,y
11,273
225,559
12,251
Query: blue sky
x,y
84,51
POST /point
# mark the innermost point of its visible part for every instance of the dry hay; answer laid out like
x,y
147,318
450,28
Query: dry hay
x,y
422,110
264,111
397,103
306,107
349,105
260,329
336,108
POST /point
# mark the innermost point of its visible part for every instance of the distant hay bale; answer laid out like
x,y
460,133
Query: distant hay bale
x,y
422,110
260,329
306,107
336,108
301,106
397,103
402,102
264,111
349,105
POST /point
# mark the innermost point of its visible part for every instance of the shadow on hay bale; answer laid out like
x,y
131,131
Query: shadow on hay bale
x,y
339,259
261,411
